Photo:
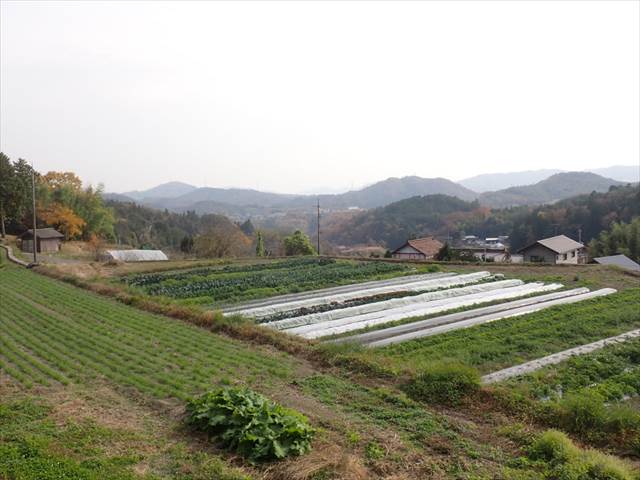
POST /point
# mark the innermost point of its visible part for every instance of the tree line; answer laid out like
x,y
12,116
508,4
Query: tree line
x,y
582,217
61,202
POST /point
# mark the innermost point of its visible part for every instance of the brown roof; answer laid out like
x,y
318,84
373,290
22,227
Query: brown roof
x,y
42,233
429,246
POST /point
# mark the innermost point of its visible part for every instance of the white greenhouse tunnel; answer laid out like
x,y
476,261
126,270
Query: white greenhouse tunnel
x,y
428,308
339,313
491,317
425,285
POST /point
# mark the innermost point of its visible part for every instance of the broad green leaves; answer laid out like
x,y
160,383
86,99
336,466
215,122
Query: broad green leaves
x,y
249,423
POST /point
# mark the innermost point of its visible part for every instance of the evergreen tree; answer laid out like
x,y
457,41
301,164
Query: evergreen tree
x,y
186,244
445,253
248,228
260,245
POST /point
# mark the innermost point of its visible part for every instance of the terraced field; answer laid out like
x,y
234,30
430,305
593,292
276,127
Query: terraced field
x,y
53,334
233,283
613,372
512,341
57,337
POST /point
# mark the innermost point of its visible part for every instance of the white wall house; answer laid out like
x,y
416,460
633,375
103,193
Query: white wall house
x,y
557,250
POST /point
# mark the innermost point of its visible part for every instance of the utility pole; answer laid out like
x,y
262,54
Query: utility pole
x,y
35,230
318,226
580,235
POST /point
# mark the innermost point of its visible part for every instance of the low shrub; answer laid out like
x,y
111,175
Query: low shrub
x,y
553,446
249,423
445,383
583,412
565,461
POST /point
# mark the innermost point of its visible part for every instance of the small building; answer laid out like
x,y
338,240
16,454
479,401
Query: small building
x,y
493,242
557,250
418,249
621,261
135,256
48,240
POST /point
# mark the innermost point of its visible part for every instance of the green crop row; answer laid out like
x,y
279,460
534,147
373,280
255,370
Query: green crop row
x,y
613,372
53,332
511,341
151,278
229,283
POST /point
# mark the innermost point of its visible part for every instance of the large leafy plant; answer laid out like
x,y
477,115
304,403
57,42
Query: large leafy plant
x,y
249,423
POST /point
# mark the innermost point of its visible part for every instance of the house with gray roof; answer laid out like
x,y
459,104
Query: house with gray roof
x,y
621,261
556,250
47,240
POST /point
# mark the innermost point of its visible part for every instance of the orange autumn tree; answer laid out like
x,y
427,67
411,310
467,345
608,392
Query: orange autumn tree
x,y
63,218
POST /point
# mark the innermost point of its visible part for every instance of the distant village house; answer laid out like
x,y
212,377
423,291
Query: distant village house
x,y
556,250
48,240
418,249
621,261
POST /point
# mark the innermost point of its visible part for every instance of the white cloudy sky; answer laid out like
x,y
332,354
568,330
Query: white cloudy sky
x,y
300,96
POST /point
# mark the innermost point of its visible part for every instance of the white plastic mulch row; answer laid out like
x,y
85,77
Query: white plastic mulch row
x,y
337,314
370,337
418,286
555,358
490,317
428,308
323,292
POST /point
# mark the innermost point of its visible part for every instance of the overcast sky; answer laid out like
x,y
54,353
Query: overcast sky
x,y
307,96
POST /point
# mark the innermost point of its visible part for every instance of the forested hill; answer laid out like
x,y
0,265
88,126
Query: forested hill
x,y
394,224
591,214
556,187
395,189
444,216
144,227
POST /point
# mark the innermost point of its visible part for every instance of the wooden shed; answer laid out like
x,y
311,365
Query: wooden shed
x,y
48,239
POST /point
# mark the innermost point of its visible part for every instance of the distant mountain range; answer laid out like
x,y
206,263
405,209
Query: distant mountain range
x,y
166,190
490,182
240,203
550,190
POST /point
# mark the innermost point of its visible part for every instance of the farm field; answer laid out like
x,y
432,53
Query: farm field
x,y
613,372
512,341
233,283
62,342
65,342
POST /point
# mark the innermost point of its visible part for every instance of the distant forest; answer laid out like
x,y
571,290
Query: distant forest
x,y
451,217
